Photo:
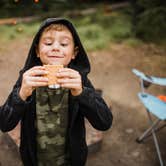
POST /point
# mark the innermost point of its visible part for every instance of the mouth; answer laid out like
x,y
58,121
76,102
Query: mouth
x,y
55,56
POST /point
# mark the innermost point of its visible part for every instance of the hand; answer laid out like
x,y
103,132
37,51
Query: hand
x,y
32,79
71,79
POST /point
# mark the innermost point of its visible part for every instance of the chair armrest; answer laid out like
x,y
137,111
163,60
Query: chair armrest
x,y
151,79
154,105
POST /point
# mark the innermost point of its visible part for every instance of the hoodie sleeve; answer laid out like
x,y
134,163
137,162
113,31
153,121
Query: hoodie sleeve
x,y
94,108
12,111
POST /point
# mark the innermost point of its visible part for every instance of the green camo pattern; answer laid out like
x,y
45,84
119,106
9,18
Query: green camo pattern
x,y
52,122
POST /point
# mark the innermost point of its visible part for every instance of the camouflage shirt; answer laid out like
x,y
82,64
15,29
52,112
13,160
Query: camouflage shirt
x,y
52,122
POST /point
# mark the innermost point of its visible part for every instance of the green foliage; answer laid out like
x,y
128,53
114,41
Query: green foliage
x,y
151,23
120,28
146,4
93,36
17,8
19,31
96,30
133,42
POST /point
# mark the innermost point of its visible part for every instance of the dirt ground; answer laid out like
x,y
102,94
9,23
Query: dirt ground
x,y
111,72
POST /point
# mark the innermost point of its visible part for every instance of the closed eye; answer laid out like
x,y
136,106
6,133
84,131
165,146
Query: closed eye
x,y
64,44
48,43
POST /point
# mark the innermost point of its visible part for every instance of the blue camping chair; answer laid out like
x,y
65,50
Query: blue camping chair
x,y
154,106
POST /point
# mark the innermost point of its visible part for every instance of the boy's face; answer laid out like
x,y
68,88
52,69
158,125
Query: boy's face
x,y
56,47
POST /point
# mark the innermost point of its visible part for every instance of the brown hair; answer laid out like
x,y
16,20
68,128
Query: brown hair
x,y
57,27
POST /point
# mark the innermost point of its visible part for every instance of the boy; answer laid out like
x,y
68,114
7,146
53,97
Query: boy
x,y
52,121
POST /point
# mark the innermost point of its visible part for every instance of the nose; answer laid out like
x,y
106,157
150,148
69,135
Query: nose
x,y
55,46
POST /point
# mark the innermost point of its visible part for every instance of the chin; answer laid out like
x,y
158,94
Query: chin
x,y
55,63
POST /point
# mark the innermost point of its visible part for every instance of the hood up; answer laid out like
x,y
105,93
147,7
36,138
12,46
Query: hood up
x,y
80,63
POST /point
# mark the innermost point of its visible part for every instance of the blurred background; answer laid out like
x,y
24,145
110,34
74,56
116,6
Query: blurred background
x,y
118,35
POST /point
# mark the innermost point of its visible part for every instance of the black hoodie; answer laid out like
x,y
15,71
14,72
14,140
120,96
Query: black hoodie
x,y
89,104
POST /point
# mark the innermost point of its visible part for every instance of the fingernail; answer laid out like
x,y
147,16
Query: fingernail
x,y
57,74
59,70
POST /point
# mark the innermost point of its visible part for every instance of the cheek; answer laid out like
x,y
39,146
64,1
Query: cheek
x,y
71,53
70,56
43,51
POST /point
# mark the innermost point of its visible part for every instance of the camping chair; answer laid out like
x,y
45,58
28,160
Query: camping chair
x,y
154,106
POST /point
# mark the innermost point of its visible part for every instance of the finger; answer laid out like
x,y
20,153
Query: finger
x,y
69,80
66,69
38,79
36,68
68,73
35,81
70,85
38,84
37,72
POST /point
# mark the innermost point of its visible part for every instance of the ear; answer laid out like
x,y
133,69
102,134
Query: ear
x,y
76,50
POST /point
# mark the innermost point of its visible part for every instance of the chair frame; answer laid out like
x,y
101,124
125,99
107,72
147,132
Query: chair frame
x,y
153,124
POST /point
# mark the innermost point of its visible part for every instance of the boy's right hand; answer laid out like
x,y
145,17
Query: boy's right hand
x,y
32,79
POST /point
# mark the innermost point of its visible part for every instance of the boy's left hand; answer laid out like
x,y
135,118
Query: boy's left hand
x,y
71,79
